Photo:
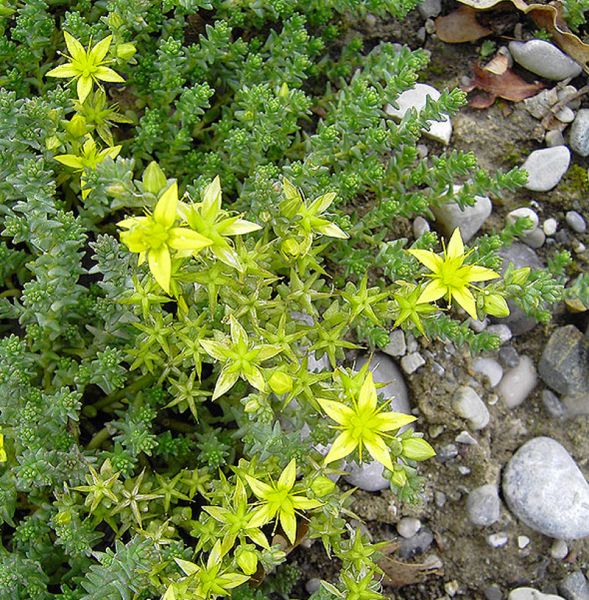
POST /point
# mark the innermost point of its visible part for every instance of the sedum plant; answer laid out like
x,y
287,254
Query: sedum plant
x,y
185,286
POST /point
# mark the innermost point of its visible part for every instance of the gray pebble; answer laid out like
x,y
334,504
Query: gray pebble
x,y
313,585
407,527
464,470
440,499
397,345
447,453
553,138
565,115
420,226
559,550
550,226
554,407
526,593
418,544
545,489
368,476
490,368
518,382
544,59
385,370
546,167
476,325
576,222
411,362
465,438
429,9
493,593
535,239
501,331
468,404
579,134
483,506
497,540
509,357
574,586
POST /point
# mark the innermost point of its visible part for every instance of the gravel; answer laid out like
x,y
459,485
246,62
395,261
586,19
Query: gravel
x,y
411,362
469,220
490,368
544,488
483,506
518,382
418,544
574,586
550,226
526,593
544,59
397,345
497,540
575,221
407,527
468,405
579,134
546,168
559,550
368,476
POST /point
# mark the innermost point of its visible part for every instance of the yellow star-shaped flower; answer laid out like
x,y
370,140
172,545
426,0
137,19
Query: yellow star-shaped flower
x,y
450,277
87,66
364,424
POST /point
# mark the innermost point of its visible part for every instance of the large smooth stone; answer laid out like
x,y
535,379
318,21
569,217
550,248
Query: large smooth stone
x,y
544,487
544,59
526,593
416,97
546,168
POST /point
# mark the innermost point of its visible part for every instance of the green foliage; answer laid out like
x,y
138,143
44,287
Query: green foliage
x,y
162,418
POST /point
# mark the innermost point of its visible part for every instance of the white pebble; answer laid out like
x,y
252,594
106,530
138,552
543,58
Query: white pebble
x,y
522,541
490,368
559,550
546,167
468,404
501,331
550,226
518,382
420,226
465,438
521,213
497,540
575,221
407,527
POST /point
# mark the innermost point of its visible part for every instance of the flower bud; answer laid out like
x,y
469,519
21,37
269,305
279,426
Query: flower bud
x,y
283,92
252,405
291,247
322,486
52,142
280,382
399,478
76,127
496,305
125,51
153,178
247,560
520,276
417,449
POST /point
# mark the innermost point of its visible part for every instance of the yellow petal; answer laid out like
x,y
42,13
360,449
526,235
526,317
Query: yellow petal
x,y
379,451
226,381
255,378
343,445
367,396
160,266
476,273
260,489
106,74
332,230
74,47
70,160
431,260
455,246
84,87
100,50
241,226
66,70
289,475
434,290
390,421
165,210
466,300
211,202
321,204
288,522
181,238
339,412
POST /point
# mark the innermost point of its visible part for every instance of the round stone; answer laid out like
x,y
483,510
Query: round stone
x,y
576,222
526,593
544,59
468,404
559,550
483,506
490,368
544,488
518,382
579,134
523,213
546,167
408,526
550,226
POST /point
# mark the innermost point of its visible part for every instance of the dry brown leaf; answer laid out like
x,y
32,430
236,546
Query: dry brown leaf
x,y
398,574
461,26
498,64
549,17
509,86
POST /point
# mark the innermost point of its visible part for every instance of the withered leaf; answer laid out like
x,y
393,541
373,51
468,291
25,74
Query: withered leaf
x,y
398,574
508,85
461,26
549,17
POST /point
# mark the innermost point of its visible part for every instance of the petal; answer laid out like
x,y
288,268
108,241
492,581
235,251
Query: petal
x,y
455,246
434,290
110,152
302,503
379,451
100,50
476,273
339,412
228,256
66,70
344,444
255,378
367,396
106,74
74,47
240,226
288,522
181,238
390,421
130,222
211,202
160,265
70,160
321,204
261,516
188,567
289,475
226,381
464,297
165,210
333,231
260,489
431,260
84,87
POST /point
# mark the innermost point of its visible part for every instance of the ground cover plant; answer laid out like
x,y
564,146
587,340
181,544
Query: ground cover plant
x,y
196,207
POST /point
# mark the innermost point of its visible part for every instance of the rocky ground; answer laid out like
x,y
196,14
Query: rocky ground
x,y
505,513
